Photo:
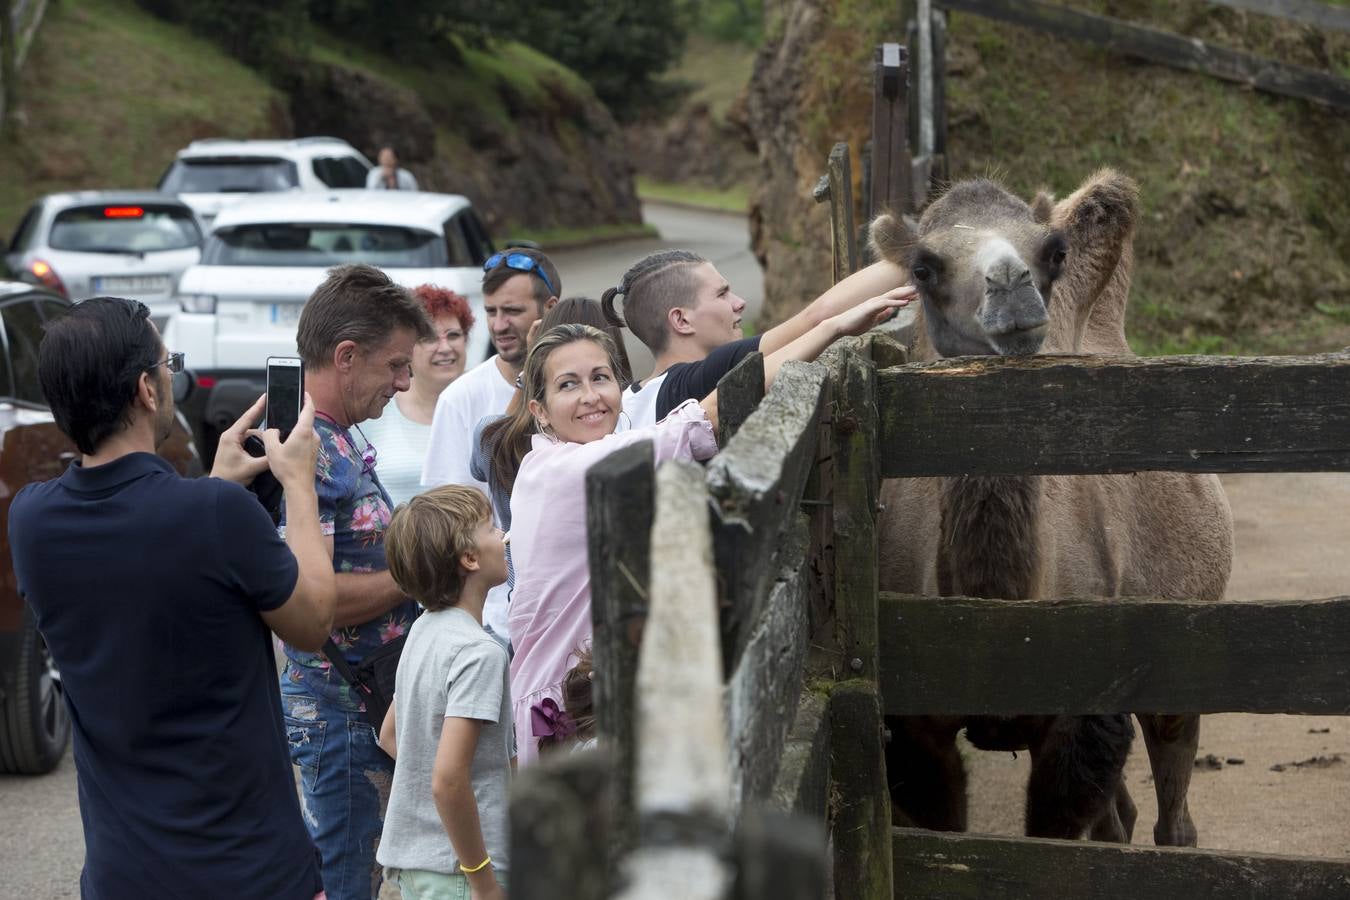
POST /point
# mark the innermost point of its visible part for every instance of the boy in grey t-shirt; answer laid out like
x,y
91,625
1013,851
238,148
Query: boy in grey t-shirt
x,y
445,832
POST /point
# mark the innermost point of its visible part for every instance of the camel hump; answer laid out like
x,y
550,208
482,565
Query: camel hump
x,y
890,238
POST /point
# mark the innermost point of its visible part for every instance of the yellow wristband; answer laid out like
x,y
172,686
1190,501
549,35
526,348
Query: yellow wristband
x,y
478,868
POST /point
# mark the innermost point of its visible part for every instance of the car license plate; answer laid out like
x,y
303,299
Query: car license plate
x,y
132,284
286,314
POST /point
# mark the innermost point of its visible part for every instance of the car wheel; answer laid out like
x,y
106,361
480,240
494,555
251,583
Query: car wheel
x,y
34,721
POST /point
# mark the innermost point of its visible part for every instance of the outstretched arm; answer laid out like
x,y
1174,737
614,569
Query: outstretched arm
x,y
847,294
855,320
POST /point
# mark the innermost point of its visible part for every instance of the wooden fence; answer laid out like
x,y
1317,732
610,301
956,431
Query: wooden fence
x,y
746,719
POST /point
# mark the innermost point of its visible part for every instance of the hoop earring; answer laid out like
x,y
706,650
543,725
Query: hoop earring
x,y
545,430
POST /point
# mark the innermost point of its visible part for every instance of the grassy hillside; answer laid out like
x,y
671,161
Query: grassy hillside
x,y
109,92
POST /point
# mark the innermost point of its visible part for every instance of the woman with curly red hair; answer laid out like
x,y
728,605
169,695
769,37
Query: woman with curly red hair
x,y
401,435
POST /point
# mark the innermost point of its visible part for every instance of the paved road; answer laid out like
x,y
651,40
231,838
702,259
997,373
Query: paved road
x,y
41,841
723,239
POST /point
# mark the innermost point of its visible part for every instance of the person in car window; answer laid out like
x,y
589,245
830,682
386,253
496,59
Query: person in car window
x,y
155,595
403,432
387,176
356,336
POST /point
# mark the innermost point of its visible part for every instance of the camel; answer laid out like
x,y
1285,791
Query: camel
x,y
985,262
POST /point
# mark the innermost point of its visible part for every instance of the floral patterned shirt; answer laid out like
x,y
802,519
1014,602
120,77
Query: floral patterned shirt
x,y
354,509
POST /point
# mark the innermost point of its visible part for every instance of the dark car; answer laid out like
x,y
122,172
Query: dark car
x,y
34,721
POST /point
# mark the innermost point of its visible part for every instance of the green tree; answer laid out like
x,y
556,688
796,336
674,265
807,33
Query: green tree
x,y
619,46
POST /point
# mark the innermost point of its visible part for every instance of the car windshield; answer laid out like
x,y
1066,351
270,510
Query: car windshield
x,y
386,246
229,174
124,228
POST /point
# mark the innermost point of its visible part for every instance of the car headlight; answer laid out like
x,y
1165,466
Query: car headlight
x,y
196,303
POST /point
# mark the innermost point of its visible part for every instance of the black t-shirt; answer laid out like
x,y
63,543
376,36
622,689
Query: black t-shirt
x,y
147,589
696,380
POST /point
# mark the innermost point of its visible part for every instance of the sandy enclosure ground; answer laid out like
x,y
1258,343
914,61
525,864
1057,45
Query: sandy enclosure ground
x,y
1293,534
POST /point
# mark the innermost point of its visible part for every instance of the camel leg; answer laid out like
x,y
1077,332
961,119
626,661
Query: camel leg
x,y
925,773
1076,772
1172,742
1116,824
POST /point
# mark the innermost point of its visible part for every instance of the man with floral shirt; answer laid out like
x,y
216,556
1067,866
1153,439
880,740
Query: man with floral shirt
x,y
356,337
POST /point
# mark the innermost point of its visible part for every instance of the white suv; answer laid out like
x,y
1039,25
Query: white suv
x,y
268,253
211,174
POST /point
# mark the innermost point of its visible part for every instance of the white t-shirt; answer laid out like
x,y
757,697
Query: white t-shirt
x,y
478,393
641,404
400,450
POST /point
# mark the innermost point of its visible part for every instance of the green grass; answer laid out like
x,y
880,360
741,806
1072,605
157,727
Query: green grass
x,y
716,70
108,93
734,199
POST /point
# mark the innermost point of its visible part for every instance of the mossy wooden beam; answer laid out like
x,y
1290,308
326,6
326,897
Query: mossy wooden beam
x,y
803,781
764,688
979,867
960,655
862,851
756,484
738,395
1083,414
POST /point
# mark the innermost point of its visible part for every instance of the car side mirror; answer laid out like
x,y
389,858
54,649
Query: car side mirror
x,y
184,383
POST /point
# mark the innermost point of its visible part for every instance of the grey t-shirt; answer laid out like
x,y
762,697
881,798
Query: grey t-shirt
x,y
449,666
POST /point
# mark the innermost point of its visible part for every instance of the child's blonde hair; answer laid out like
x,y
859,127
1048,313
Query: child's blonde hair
x,y
426,538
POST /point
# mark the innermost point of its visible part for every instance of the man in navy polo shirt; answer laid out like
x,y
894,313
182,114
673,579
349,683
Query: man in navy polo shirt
x,y
155,595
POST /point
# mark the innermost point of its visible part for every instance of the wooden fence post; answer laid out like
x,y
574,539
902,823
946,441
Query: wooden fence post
x,y
890,188
939,171
560,830
837,187
862,822
683,783
738,394
620,492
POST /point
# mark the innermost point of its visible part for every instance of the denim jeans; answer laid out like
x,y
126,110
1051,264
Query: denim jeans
x,y
344,789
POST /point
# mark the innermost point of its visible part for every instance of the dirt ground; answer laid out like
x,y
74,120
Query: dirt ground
x,y
1292,536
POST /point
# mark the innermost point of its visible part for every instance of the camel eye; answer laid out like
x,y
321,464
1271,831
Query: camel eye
x,y
1059,256
921,273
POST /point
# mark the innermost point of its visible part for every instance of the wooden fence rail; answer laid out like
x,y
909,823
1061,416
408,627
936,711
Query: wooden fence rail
x,y
964,656
1083,415
1166,48
979,867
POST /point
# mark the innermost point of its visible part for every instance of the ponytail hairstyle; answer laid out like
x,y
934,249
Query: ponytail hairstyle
x,y
652,288
509,437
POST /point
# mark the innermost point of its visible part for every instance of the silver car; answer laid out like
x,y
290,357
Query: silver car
x,y
124,243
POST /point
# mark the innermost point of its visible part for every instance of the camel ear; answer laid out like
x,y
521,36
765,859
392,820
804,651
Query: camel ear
x,y
889,237
1043,206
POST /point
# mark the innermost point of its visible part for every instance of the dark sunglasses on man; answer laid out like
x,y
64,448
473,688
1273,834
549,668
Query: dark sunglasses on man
x,y
520,262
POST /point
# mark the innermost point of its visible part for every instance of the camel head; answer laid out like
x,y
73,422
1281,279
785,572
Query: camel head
x,y
984,266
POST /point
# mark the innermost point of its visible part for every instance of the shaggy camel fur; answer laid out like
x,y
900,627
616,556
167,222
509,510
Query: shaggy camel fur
x,y
983,261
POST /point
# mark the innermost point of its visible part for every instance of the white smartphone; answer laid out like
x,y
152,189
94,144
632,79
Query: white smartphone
x,y
285,392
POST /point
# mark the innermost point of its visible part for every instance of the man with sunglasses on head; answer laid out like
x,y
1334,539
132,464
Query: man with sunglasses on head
x,y
155,595
356,336
519,286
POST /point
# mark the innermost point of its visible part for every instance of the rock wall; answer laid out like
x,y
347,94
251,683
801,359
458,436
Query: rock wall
x,y
811,87
560,163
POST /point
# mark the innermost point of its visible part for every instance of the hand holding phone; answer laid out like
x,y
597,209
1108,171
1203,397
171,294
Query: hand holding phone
x,y
285,393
